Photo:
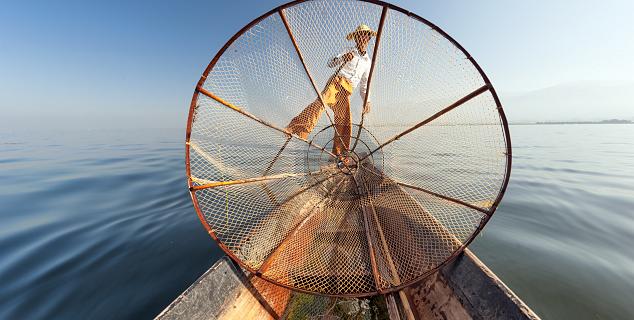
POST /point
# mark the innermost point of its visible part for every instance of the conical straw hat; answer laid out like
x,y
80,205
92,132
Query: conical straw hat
x,y
361,28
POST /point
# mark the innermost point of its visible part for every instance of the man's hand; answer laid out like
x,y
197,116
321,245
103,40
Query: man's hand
x,y
367,107
347,57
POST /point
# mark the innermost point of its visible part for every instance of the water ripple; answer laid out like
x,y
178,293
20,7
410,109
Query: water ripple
x,y
100,225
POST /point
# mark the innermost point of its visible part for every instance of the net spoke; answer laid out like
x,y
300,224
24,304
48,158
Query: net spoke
x,y
312,81
466,204
454,200
454,105
277,156
290,235
367,91
364,211
301,191
206,184
239,110
369,210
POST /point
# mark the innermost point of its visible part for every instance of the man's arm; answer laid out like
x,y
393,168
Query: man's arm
x,y
339,59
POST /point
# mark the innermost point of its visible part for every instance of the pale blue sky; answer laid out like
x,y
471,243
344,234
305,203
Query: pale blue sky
x,y
135,63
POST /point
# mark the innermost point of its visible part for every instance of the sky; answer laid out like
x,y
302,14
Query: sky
x,y
122,64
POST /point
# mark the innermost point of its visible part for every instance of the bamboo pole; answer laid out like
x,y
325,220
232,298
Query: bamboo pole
x,y
388,257
291,234
310,77
239,110
214,184
452,106
466,204
367,90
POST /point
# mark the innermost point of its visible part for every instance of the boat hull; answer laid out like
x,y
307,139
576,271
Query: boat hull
x,y
463,289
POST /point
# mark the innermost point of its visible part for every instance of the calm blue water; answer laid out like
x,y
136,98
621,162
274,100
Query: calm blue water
x,y
96,225
99,224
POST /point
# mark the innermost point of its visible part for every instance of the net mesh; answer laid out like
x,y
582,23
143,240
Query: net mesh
x,y
304,189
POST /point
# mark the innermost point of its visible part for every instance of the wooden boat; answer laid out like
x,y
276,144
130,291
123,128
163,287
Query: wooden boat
x,y
462,289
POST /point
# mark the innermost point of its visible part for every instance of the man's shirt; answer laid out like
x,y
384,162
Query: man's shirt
x,y
356,70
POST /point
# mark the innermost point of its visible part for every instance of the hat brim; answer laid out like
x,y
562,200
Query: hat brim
x,y
351,34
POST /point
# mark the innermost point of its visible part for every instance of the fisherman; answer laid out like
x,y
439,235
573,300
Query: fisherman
x,y
354,68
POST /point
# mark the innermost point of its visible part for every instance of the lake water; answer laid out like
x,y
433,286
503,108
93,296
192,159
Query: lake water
x,y
99,224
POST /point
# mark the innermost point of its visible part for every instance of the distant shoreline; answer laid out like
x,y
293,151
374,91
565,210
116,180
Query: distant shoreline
x,y
611,121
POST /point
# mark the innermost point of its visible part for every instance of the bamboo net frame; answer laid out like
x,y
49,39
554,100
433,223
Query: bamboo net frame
x,y
426,169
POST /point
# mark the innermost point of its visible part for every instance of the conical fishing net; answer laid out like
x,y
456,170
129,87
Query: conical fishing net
x,y
306,190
